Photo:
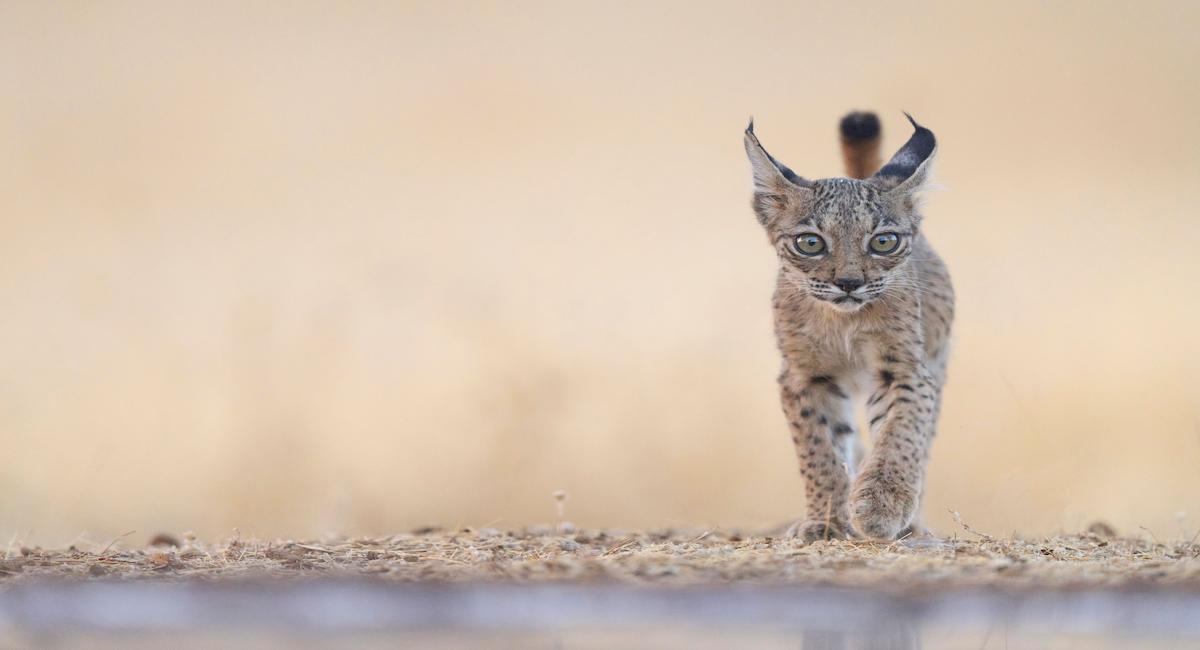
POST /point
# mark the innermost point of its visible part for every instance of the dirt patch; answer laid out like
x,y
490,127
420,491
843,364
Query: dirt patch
x,y
673,557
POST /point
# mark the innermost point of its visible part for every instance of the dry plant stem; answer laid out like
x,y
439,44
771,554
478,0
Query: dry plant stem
x,y
117,539
958,520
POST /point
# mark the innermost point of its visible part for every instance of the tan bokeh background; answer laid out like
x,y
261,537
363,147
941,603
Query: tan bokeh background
x,y
308,268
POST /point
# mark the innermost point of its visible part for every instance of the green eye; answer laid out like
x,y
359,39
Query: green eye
x,y
884,243
810,244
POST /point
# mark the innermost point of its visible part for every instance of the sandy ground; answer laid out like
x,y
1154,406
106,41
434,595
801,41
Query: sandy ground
x,y
671,557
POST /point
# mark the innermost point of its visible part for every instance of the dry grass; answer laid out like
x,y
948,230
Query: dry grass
x,y
673,557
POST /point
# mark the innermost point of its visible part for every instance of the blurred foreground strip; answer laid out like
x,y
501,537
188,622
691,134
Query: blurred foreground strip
x,y
127,614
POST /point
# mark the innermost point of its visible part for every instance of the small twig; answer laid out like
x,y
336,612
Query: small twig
x,y
958,520
560,503
114,541
8,551
619,546
127,560
902,538
315,548
1152,535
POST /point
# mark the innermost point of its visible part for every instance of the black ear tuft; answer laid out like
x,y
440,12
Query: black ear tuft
x,y
859,126
909,158
753,143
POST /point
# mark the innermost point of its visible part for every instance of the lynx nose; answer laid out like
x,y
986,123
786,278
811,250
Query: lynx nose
x,y
848,284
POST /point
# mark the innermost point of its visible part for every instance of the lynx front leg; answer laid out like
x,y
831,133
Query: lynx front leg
x,y
818,413
887,493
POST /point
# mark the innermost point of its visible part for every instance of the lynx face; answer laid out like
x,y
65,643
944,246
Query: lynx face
x,y
847,245
843,241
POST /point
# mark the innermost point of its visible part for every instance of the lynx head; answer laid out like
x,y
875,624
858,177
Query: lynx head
x,y
843,241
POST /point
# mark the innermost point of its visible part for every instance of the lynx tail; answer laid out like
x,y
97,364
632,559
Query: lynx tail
x,y
860,134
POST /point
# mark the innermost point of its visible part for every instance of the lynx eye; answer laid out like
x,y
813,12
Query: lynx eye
x,y
810,244
884,243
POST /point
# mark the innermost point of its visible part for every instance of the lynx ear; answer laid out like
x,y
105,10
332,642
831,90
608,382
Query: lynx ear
x,y
909,169
775,186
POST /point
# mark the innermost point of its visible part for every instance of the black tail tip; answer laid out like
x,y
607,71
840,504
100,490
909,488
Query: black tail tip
x,y
860,126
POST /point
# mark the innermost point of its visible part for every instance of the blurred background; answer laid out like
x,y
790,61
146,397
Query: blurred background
x,y
309,268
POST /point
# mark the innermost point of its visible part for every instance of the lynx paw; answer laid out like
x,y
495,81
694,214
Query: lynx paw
x,y
881,509
815,530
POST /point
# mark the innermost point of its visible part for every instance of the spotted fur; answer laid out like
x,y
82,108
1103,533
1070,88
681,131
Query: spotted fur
x,y
855,324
